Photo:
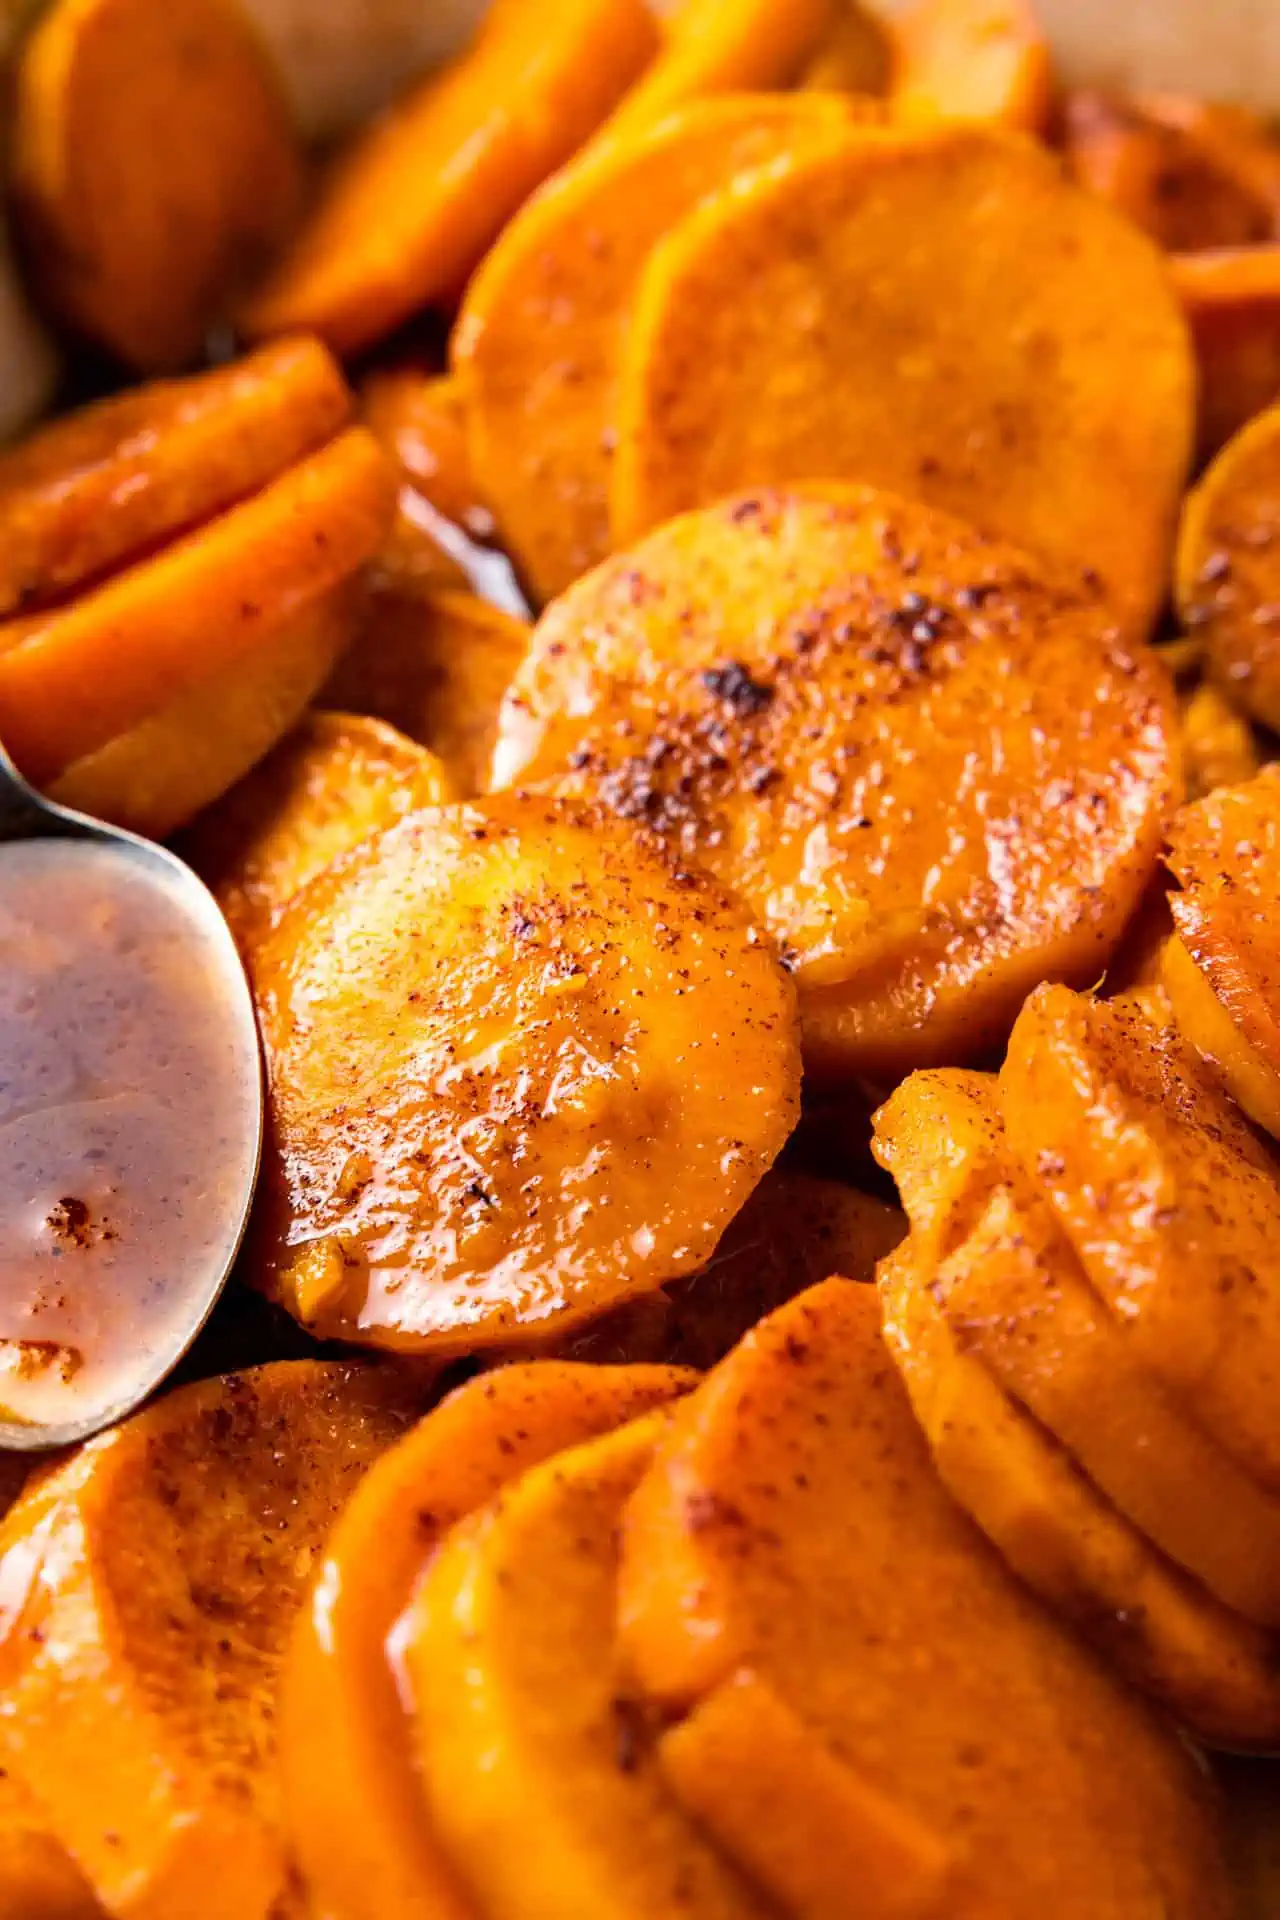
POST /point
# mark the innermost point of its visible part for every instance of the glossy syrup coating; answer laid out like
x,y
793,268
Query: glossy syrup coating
x,y
1227,577
522,1067
935,776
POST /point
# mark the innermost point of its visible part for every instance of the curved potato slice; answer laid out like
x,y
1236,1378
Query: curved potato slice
x,y
420,196
149,1585
334,782
1231,297
537,342
1169,1198
353,1801
1202,1018
517,1690
154,168
784,684
1217,1672
1219,747
420,421
983,60
1228,567
38,1880
475,1128
97,488
722,46
792,1524
884,382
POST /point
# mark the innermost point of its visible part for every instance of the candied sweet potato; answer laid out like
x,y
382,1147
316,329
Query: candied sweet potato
x,y
413,205
1219,747
335,781
149,1588
1202,1018
1231,297
155,166
474,1127
38,1880
722,46
1228,567
420,421
784,684
983,60
75,677
853,55
354,1802
1047,397
791,1524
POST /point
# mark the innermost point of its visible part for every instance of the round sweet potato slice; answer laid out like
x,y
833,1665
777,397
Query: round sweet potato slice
x,y
1231,297
37,1878
722,46
792,1524
1168,1196
354,1802
150,1585
1228,567
983,60
1048,397
1219,746
155,167
420,421
783,685
475,1126
1202,1019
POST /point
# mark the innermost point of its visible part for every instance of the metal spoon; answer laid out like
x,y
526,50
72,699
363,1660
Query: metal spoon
x,y
128,1047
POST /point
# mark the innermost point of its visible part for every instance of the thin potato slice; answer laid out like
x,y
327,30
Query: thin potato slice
x,y
538,339
338,779
792,1525
1231,298
723,46
94,490
518,1691
1216,1671
1219,747
1169,1198
434,662
785,684
421,195
1228,567
982,60
154,168
1202,1018
149,1588
420,421
354,1802
1048,398
474,1127
74,678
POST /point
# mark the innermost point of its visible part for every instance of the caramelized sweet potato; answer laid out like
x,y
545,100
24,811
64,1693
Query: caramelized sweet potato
x,y
354,1802
792,1524
1228,567
723,46
474,1128
852,56
338,779
784,684
75,677
983,60
154,168
1202,1018
414,204
1084,468
537,343
419,420
149,1587
1219,747
1231,298
37,1878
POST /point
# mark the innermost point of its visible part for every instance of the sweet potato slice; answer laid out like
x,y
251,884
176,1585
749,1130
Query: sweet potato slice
x,y
1228,567
983,60
792,1524
354,1802
1219,747
1084,466
155,166
1202,1018
1231,298
507,1090
94,490
417,200
335,781
723,46
517,1689
537,343
1165,1633
38,1880
149,1588
434,662
1169,1198
853,55
419,419
75,677
784,684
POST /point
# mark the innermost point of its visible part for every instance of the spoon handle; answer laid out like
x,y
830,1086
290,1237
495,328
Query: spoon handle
x,y
24,815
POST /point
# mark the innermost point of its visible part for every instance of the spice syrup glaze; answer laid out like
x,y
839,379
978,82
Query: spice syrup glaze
x,y
128,1126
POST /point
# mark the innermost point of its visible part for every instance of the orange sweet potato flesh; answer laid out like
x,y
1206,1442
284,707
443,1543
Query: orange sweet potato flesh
x,y
434,662
983,60
150,1587
336,780
782,686
723,46
474,1129
1202,1019
419,197
419,419
353,1802
1231,297
853,55
73,678
1159,1628
38,1881
1228,567
1219,746
1168,1197
792,1524
537,344
1085,470
155,167
92,491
